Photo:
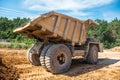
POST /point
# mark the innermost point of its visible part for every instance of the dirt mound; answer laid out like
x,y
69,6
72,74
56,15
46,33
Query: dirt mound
x,y
7,72
8,58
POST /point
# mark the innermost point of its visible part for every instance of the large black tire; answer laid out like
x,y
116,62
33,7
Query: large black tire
x,y
0,60
28,55
58,58
42,55
92,57
33,58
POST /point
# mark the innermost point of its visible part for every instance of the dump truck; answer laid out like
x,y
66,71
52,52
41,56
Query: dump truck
x,y
59,38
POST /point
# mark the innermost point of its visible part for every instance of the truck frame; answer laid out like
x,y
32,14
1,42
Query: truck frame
x,y
59,38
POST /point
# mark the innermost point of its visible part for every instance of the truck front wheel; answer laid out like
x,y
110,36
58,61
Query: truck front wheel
x,y
58,58
92,56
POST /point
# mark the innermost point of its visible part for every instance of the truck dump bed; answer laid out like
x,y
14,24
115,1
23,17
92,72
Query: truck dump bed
x,y
55,26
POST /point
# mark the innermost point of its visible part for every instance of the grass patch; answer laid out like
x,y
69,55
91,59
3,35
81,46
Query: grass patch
x,y
14,45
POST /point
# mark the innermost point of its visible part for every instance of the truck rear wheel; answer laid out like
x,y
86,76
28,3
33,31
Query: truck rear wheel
x,y
42,55
92,56
33,58
58,58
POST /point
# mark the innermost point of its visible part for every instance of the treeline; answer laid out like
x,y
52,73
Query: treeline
x,y
107,32
6,32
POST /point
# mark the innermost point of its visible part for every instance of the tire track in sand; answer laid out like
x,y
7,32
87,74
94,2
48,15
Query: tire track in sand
x,y
30,72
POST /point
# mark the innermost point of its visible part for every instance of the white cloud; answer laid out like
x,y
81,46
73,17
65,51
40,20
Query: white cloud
x,y
64,4
76,7
108,15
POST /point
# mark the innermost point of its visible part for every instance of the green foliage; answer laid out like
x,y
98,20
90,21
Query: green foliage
x,y
14,45
6,32
107,32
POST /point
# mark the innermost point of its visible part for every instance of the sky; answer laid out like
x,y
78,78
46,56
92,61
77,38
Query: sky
x,y
81,9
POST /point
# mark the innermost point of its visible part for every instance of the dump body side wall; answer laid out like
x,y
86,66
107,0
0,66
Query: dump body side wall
x,y
57,26
65,27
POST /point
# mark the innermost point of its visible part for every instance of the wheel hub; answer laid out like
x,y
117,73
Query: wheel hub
x,y
61,58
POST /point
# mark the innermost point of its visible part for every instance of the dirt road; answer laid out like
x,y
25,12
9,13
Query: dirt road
x,y
15,66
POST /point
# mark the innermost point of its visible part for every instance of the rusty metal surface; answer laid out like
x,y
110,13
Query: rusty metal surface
x,y
56,25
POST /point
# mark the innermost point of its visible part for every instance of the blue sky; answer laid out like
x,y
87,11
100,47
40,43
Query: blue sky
x,y
82,9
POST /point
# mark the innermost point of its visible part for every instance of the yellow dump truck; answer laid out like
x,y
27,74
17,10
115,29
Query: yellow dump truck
x,y
59,38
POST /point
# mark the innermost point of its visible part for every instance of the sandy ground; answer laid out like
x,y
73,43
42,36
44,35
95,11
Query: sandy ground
x,y
14,65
